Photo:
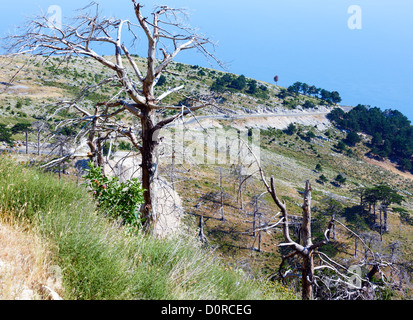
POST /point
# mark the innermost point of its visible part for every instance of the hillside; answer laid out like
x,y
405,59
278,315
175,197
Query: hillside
x,y
291,160
228,214
53,236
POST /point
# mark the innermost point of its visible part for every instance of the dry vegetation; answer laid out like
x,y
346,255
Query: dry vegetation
x,y
291,160
25,262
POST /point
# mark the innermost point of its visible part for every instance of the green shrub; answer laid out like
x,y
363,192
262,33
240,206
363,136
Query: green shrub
x,y
119,200
340,179
126,146
323,178
5,134
308,104
293,104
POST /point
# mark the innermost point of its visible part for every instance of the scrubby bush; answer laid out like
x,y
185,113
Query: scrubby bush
x,y
5,134
125,146
340,179
118,200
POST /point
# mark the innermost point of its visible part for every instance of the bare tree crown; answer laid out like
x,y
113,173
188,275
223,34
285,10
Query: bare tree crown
x,y
164,33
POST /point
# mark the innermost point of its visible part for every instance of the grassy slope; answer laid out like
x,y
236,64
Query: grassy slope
x,y
100,260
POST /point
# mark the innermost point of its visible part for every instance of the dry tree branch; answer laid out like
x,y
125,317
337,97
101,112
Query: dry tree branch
x,y
85,33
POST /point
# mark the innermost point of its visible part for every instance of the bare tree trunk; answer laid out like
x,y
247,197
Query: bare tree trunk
x,y
381,226
372,272
355,246
201,234
99,154
173,168
148,170
259,233
254,218
27,144
91,141
308,261
240,193
60,164
307,276
222,195
385,218
38,142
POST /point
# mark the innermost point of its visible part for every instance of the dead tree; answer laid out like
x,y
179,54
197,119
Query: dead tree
x,y
164,33
201,234
304,247
61,140
260,226
347,283
39,126
242,182
221,207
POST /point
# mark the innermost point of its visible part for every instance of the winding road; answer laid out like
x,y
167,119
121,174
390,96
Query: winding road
x,y
264,115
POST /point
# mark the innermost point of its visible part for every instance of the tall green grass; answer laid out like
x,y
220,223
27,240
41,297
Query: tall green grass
x,y
101,260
